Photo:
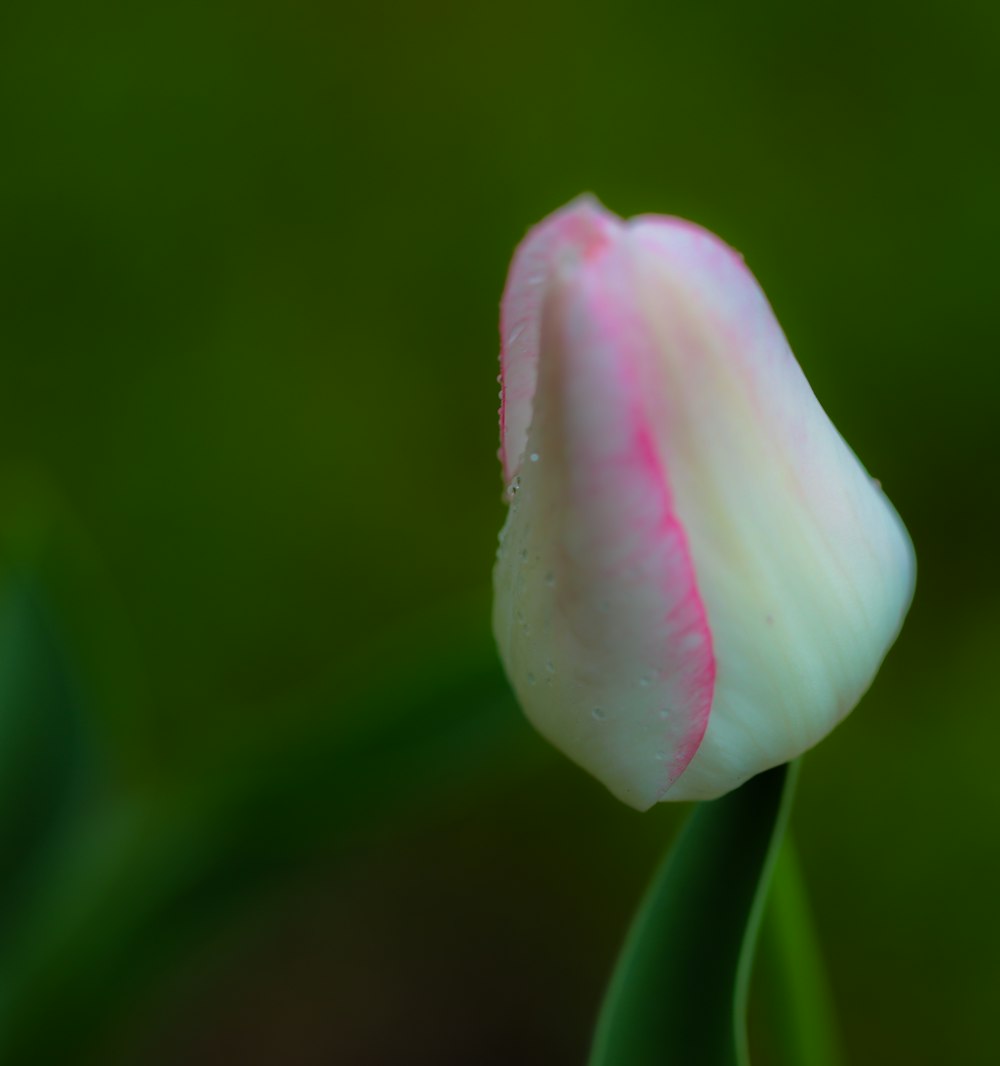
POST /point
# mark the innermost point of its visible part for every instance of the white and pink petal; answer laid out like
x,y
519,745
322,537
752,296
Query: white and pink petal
x,y
597,610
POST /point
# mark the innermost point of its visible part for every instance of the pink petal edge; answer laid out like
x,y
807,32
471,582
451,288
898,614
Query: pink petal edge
x,y
573,229
611,342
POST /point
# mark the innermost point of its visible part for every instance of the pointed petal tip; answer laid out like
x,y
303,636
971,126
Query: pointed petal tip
x,y
573,232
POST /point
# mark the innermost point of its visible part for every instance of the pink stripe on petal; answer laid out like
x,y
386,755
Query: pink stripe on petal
x,y
627,618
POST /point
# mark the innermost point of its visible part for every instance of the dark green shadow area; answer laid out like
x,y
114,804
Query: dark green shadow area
x,y
145,876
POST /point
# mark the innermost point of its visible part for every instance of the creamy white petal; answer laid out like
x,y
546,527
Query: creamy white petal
x,y
689,539
804,566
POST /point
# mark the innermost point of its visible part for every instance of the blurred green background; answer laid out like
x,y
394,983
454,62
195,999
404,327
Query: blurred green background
x,y
251,258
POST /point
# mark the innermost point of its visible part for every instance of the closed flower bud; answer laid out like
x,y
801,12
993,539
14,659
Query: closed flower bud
x,y
697,579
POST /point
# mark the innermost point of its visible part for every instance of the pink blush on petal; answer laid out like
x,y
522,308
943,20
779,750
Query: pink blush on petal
x,y
618,509
688,616
579,230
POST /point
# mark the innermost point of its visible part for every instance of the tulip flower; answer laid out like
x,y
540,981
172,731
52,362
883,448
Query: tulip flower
x,y
697,579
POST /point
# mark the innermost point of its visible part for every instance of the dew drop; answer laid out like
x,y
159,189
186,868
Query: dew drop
x,y
599,714
550,579
660,756
531,678
665,713
550,666
533,457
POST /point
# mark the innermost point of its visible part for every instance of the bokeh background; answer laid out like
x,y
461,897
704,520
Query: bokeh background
x,y
251,258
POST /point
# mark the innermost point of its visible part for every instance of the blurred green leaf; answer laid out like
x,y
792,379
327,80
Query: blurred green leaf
x,y
149,874
679,990
45,758
797,1005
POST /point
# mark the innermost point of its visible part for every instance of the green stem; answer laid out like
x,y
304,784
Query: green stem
x,y
679,990
797,1006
